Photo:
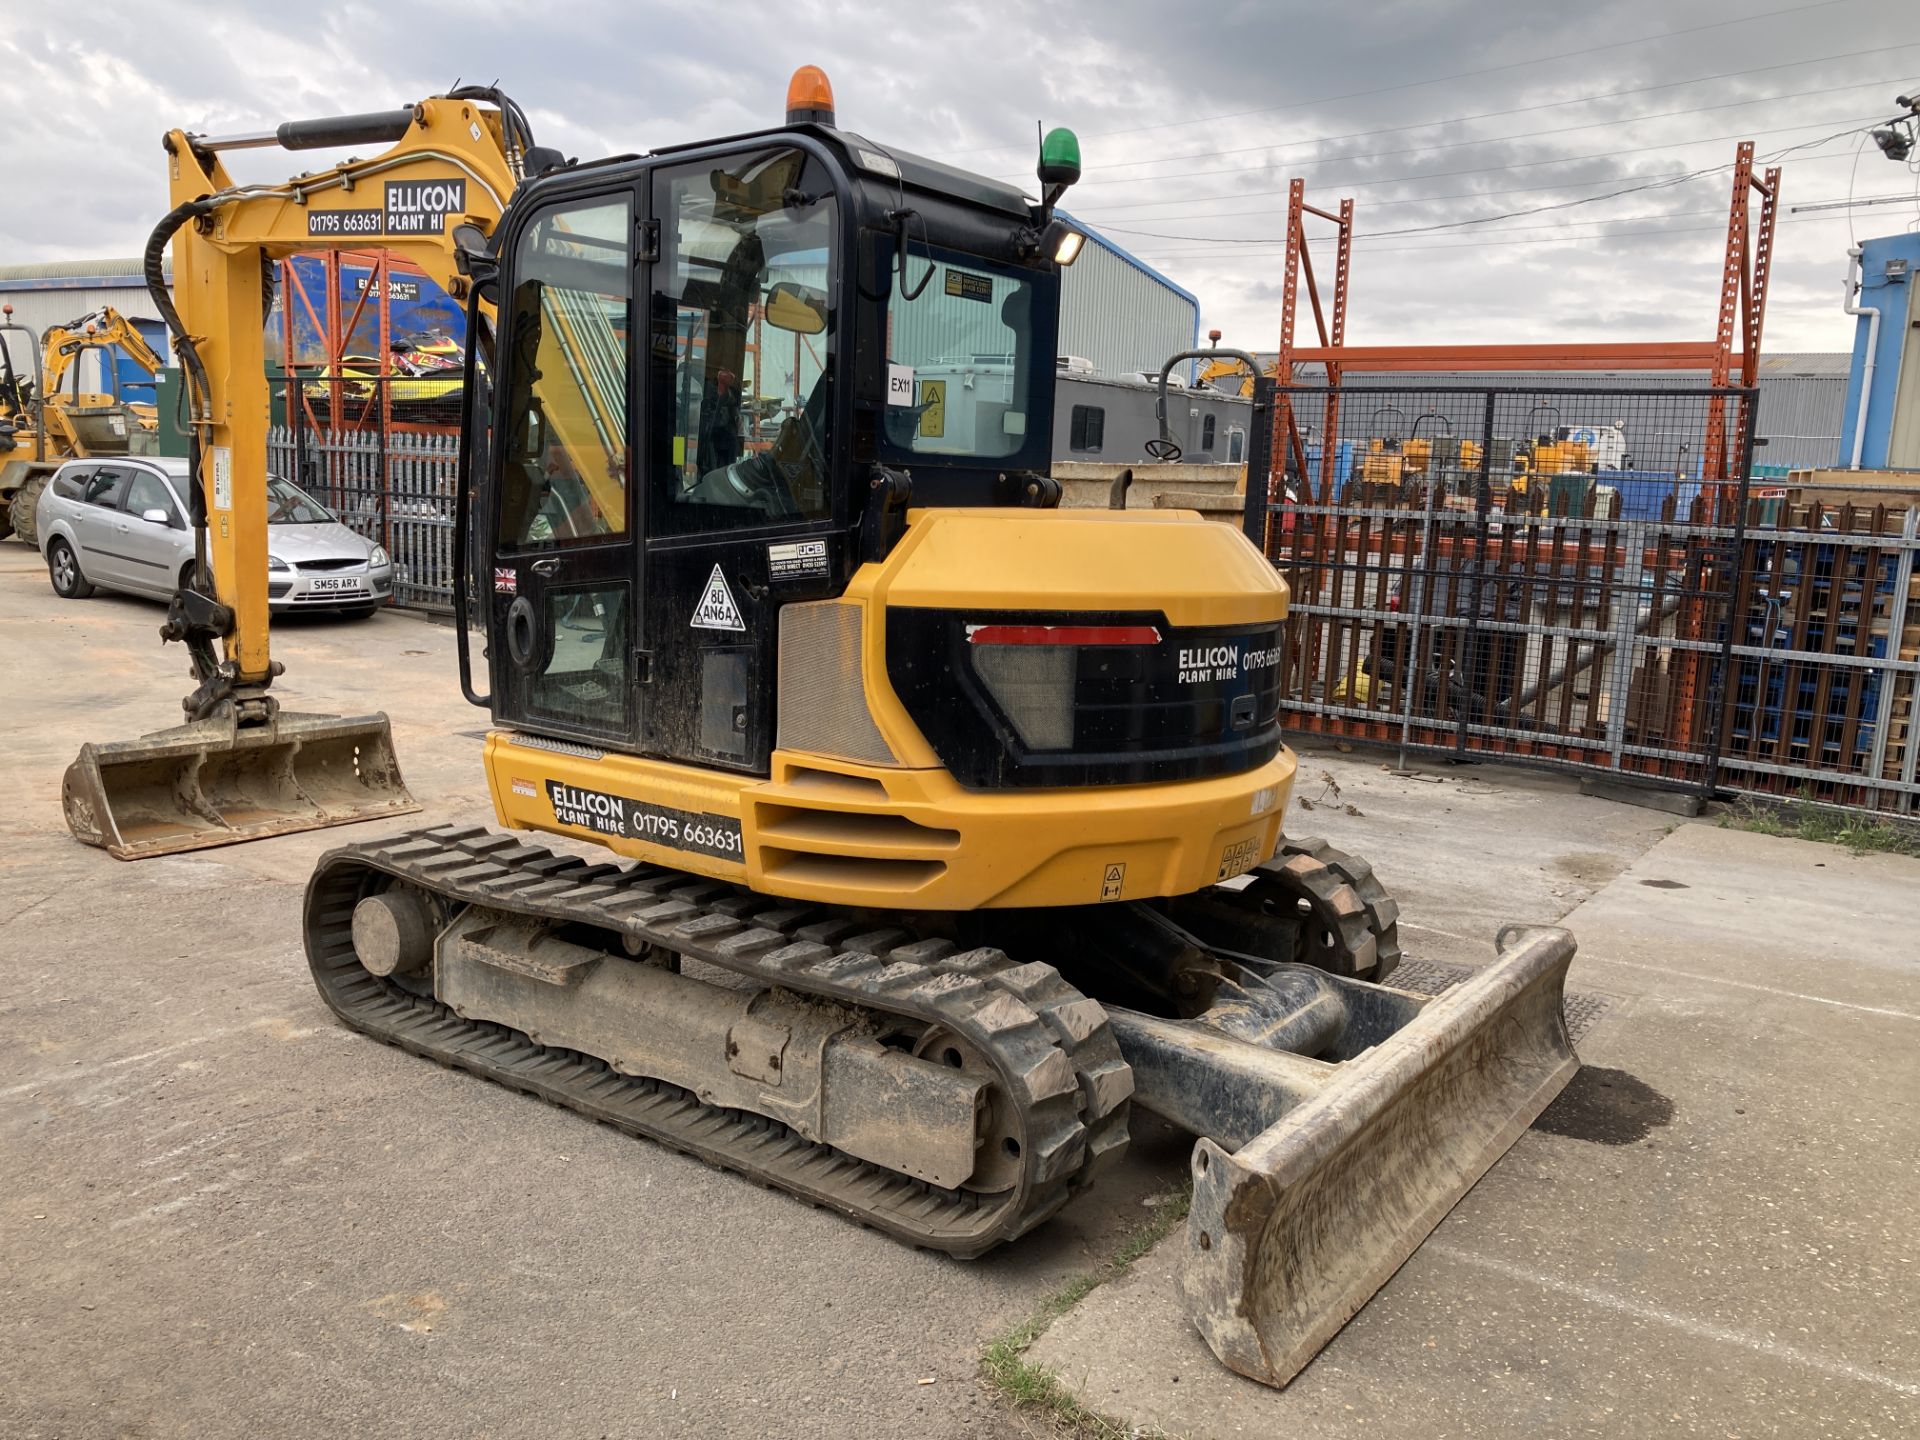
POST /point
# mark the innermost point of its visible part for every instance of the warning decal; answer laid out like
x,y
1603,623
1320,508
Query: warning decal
x,y
716,610
933,419
1112,881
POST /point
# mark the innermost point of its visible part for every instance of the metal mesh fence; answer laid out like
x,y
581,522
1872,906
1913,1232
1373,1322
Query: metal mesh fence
x,y
1826,649
1591,579
399,490
1543,573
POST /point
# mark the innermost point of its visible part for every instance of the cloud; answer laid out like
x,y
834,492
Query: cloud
x,y
88,101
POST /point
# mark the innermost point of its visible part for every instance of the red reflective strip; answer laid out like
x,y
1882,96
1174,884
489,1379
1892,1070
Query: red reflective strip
x,y
1062,635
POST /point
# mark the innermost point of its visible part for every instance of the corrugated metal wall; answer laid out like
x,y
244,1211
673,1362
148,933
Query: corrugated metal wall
x,y
52,294
1119,317
38,309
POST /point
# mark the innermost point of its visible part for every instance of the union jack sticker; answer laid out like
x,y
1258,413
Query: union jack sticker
x,y
506,580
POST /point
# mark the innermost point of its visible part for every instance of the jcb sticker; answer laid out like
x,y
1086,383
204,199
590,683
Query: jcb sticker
x,y
797,560
1112,882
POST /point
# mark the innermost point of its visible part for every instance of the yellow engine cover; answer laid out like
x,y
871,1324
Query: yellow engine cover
x,y
902,833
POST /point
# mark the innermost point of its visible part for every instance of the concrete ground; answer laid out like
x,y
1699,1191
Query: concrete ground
x,y
221,1214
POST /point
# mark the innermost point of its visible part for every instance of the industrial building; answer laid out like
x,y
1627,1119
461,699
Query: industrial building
x,y
55,292
1882,421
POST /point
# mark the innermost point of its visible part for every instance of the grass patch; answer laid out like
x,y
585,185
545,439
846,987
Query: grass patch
x,y
1027,1386
1801,820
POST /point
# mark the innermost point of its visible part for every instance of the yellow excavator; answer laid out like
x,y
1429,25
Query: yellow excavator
x,y
948,821
49,419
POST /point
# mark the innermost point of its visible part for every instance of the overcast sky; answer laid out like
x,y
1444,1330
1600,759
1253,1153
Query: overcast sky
x,y
1193,119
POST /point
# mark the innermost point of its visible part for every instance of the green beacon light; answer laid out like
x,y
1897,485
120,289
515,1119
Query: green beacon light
x,y
1059,167
1060,158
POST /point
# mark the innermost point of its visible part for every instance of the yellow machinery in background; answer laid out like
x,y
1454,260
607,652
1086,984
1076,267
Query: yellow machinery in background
x,y
975,800
58,421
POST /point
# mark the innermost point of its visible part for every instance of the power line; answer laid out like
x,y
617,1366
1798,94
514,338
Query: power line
x,y
1688,176
1475,220
1566,229
1503,139
1850,202
1348,184
1434,80
1483,244
1524,110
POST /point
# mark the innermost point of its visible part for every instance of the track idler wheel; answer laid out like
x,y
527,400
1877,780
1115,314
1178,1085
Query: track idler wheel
x,y
1349,925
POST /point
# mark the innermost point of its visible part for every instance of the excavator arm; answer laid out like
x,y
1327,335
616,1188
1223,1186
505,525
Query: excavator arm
x,y
1220,369
449,165
64,344
240,768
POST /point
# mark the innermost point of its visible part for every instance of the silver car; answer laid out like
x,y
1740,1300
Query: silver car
x,y
121,524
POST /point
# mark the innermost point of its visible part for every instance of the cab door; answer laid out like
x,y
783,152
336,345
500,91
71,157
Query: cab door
x,y
742,515
564,583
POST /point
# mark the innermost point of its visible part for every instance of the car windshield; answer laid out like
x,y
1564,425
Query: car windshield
x,y
288,504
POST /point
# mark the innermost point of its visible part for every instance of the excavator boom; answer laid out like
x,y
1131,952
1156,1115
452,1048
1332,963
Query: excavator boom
x,y
241,767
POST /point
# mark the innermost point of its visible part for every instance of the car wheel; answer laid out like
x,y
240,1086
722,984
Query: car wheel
x,y
63,568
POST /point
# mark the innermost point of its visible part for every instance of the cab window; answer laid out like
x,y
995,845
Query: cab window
x,y
744,326
564,413
965,368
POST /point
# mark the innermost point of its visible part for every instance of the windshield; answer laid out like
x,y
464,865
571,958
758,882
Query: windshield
x,y
288,504
961,361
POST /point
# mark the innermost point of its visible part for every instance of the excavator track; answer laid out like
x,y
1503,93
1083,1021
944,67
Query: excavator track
x,y
1050,1047
1375,927
1310,905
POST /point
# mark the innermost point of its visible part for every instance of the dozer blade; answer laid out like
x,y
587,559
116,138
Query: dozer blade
x,y
214,783
1290,1234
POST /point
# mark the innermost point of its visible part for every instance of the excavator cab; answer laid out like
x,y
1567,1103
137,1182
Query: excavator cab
x,y
723,372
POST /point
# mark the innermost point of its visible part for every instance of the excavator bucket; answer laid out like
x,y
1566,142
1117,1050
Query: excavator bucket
x,y
216,783
1322,1175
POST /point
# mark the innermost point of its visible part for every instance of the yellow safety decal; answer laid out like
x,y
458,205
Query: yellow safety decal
x,y
933,420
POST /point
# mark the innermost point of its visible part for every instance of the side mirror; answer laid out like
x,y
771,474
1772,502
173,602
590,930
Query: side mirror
x,y
473,254
796,309
156,517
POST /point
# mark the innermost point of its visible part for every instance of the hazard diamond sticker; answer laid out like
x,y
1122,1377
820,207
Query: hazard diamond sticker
x,y
716,610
